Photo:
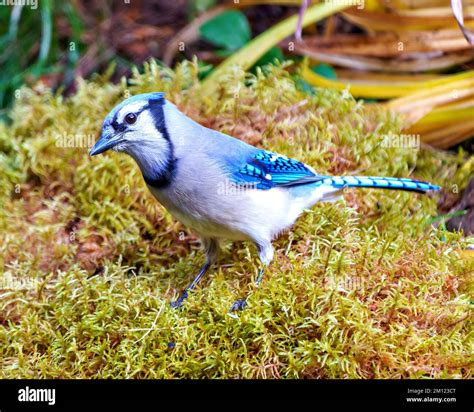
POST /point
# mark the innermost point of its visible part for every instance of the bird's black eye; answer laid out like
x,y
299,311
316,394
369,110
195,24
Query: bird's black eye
x,y
131,118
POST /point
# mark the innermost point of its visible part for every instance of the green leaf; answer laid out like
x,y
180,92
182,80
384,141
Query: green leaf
x,y
303,85
46,31
229,30
204,69
446,216
270,56
325,70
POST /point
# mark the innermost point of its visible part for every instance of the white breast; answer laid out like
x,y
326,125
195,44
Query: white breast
x,y
237,214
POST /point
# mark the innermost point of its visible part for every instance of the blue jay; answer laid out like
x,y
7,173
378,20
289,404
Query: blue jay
x,y
219,186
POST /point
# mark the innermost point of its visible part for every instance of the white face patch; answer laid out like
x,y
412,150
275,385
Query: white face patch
x,y
144,130
130,108
146,144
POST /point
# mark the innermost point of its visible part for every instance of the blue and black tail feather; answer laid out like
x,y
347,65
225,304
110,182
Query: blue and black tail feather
x,y
394,183
268,170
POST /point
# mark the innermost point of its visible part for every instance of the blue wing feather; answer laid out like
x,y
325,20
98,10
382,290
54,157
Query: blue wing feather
x,y
267,169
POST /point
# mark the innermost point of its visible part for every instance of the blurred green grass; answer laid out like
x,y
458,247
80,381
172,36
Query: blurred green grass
x,y
31,46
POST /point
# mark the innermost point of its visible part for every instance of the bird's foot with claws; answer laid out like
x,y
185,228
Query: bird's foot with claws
x,y
179,302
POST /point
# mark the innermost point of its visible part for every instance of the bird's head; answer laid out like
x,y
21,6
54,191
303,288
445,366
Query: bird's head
x,y
134,124
138,127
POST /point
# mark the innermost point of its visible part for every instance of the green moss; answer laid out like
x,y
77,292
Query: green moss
x,y
90,260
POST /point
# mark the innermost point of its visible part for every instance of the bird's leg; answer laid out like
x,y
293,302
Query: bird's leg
x,y
211,248
178,302
265,254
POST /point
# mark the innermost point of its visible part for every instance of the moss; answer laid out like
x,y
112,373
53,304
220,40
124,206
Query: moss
x,y
90,260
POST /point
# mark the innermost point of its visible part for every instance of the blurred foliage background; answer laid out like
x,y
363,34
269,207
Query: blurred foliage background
x,y
58,41
378,49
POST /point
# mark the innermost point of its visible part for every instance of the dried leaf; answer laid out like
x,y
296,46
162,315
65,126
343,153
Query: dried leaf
x,y
424,62
376,88
406,20
388,44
